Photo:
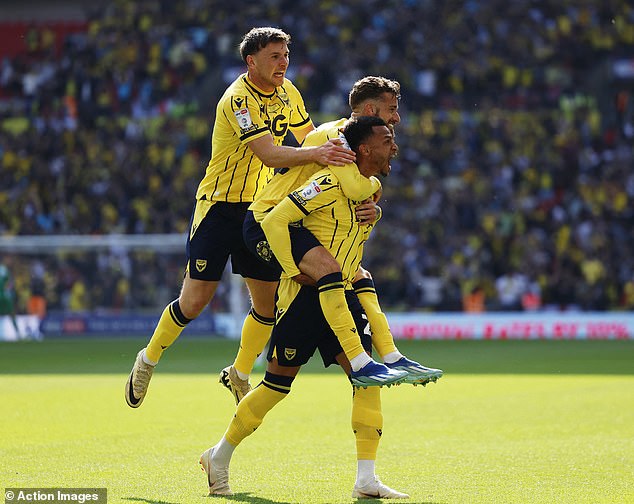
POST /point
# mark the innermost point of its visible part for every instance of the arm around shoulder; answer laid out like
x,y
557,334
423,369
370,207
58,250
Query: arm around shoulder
x,y
281,156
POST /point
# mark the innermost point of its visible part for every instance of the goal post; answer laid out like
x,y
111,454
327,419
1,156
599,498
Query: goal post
x,y
155,260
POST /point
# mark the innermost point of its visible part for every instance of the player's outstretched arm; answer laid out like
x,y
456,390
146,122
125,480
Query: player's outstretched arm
x,y
281,156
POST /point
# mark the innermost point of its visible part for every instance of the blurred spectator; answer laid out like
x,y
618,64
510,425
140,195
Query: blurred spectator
x,y
7,296
511,288
473,301
36,304
531,299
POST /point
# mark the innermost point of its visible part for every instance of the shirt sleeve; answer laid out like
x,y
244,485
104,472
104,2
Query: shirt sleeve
x,y
354,185
243,114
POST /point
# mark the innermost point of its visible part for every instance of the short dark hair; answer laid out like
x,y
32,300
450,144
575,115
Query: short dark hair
x,y
259,38
372,88
358,129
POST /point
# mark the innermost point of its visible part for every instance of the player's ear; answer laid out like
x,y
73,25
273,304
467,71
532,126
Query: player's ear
x,y
364,149
250,60
368,109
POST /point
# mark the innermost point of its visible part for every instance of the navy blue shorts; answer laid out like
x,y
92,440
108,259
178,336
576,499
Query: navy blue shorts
x,y
218,237
303,329
302,240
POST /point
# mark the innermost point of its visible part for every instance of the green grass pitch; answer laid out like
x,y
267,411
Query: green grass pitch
x,y
510,422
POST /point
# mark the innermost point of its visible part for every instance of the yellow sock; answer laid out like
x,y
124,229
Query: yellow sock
x,y
256,331
335,308
367,421
255,405
169,327
381,335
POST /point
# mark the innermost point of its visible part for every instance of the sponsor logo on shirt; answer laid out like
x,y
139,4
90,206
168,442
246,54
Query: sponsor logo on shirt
x,y
311,190
244,119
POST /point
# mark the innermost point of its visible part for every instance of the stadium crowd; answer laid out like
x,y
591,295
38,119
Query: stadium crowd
x,y
513,187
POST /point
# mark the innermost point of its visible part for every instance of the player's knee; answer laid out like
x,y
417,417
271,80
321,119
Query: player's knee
x,y
264,306
195,296
362,274
262,297
192,305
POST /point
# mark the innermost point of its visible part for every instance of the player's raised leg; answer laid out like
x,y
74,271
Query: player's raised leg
x,y
318,263
382,338
194,296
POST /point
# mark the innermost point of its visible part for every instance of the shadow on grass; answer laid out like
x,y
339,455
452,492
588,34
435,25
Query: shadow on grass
x,y
247,497
209,355
252,499
148,501
238,497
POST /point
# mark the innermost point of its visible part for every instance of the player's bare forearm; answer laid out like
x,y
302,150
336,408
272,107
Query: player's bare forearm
x,y
280,156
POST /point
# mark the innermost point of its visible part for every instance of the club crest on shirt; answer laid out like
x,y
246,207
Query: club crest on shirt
x,y
284,98
201,264
264,250
290,353
244,119
310,191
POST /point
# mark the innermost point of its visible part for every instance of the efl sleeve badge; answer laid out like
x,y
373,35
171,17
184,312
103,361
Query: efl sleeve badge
x,y
244,118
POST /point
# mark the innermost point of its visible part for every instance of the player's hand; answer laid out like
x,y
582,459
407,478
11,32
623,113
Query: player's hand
x,y
367,212
304,279
332,153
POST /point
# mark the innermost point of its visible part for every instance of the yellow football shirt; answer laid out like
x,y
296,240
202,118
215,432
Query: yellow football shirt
x,y
328,214
234,174
354,185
